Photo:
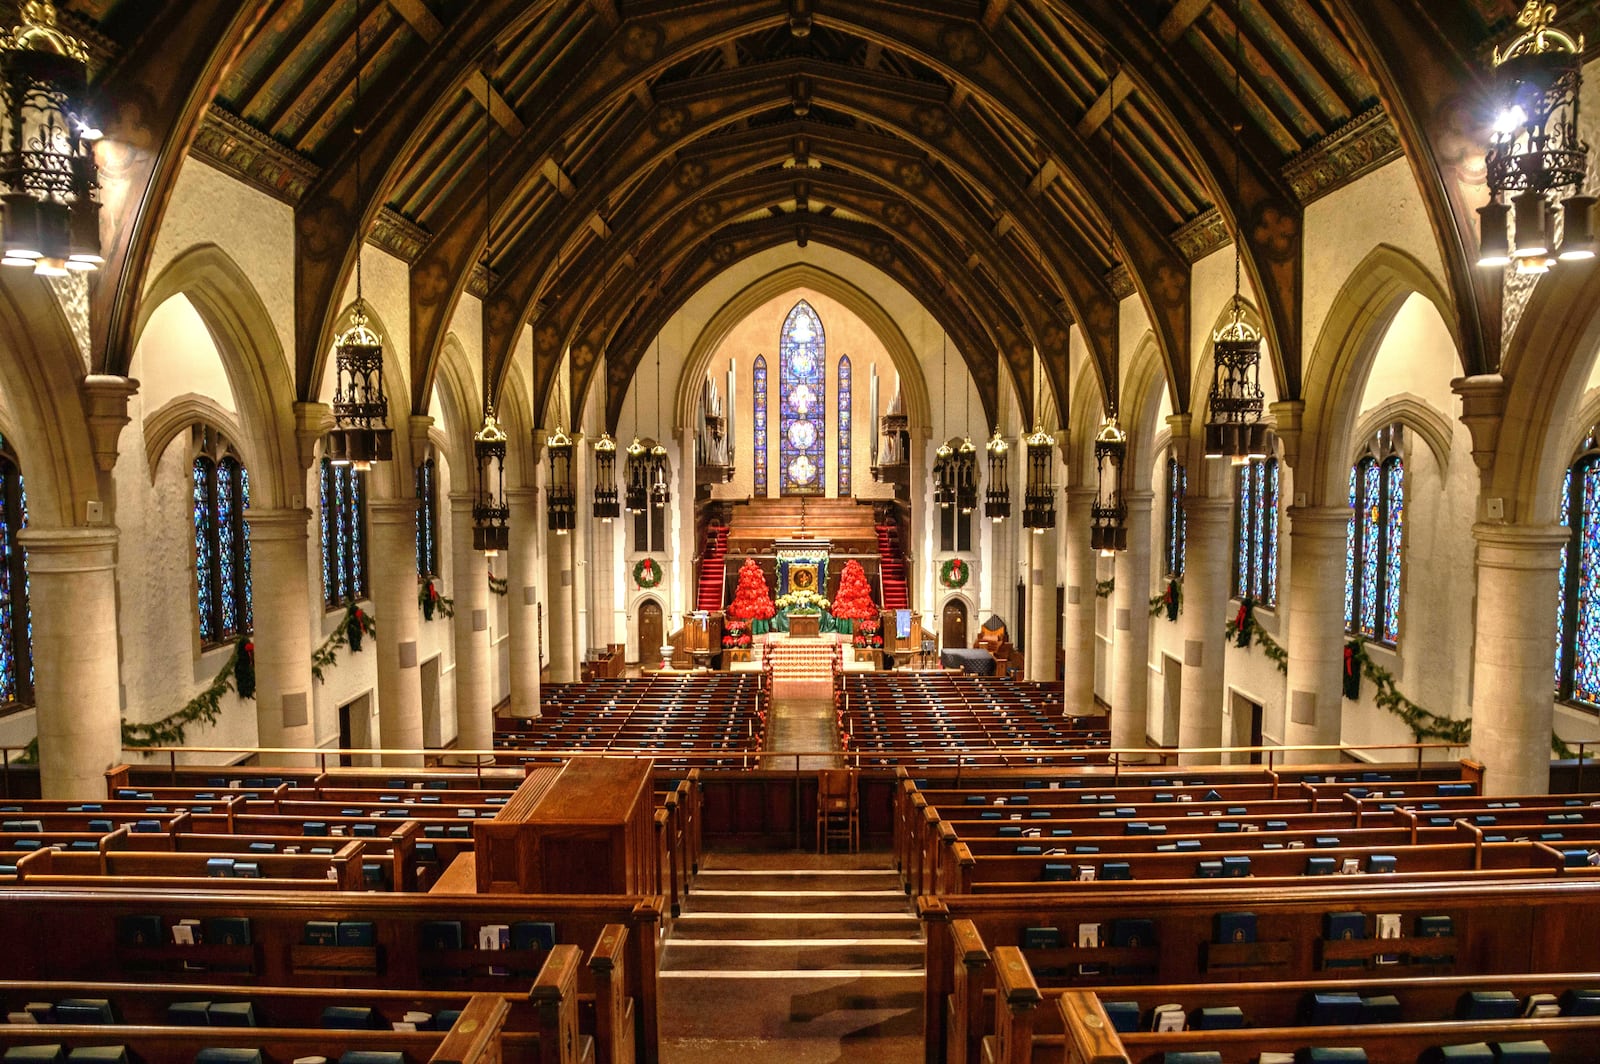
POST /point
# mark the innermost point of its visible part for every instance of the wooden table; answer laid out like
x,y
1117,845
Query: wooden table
x,y
805,624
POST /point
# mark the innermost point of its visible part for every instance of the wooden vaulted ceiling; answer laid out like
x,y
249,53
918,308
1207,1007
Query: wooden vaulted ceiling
x,y
1019,166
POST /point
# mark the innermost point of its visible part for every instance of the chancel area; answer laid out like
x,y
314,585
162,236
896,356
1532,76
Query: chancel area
x,y
959,532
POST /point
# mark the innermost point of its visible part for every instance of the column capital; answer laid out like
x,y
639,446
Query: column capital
x,y
1288,417
69,550
462,501
1525,548
1139,500
392,511
1207,508
106,410
1319,522
311,422
278,524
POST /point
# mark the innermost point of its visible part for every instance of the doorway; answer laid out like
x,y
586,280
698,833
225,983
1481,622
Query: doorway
x,y
432,727
1171,698
1246,729
355,730
650,631
954,626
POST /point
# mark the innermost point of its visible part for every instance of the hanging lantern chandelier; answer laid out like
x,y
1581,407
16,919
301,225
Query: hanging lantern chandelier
x,y
638,471
560,495
1535,151
660,493
1109,514
1039,496
1234,428
997,498
491,513
966,466
48,176
944,476
606,506
361,433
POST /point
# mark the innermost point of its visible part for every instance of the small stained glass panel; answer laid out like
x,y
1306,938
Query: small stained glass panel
x,y
843,449
758,374
802,355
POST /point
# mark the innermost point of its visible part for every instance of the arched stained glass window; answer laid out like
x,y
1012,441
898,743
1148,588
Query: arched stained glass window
x,y
802,413
1373,541
758,375
221,495
1177,523
1578,612
844,426
427,519
1255,522
344,540
16,621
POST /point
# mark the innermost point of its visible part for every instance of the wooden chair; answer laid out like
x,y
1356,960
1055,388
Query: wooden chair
x,y
838,809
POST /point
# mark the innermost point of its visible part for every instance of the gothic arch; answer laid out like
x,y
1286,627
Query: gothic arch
x,y
1086,412
42,376
247,344
386,481
462,410
776,283
1347,346
175,417
1146,377
1416,414
1205,477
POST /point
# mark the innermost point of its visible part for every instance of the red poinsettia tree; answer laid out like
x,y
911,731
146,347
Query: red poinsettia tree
x,y
853,604
752,601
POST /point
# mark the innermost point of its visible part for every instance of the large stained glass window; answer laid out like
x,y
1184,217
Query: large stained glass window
x,y
1578,615
1373,541
344,535
844,426
1177,523
220,496
802,415
16,623
1255,522
427,519
758,375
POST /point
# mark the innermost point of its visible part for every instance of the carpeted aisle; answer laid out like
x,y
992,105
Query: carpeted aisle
x,y
798,958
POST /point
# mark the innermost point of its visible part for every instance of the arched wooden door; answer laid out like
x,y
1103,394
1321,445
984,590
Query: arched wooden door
x,y
955,623
650,632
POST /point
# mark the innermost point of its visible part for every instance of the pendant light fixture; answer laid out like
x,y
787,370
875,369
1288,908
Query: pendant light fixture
x,y
48,174
997,498
1039,490
1108,532
966,461
1535,150
561,496
491,512
361,433
944,474
1234,429
660,493
606,506
637,493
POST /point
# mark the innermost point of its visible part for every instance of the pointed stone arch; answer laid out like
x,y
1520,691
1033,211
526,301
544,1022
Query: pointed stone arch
x,y
1144,381
1347,346
462,409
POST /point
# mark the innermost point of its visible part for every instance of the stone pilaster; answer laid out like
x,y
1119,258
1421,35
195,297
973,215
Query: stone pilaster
x,y
523,572
562,614
1209,531
77,686
1512,651
469,586
1078,634
280,589
1316,635
1039,657
1130,619
392,527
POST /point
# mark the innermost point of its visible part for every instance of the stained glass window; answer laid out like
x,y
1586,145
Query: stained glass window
x,y
220,496
1255,522
1578,618
802,415
1177,523
1373,541
844,426
759,379
427,519
344,548
16,622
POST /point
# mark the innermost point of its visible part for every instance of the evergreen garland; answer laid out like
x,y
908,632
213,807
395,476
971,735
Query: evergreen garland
x,y
1104,588
203,708
1243,628
499,585
327,655
432,602
1425,725
1169,601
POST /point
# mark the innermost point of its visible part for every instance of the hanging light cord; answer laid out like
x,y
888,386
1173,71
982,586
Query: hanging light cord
x,y
488,207
1238,127
360,131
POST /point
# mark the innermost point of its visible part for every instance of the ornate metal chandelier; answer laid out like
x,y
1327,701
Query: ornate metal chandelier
x,y
997,497
944,476
606,506
1109,513
491,513
47,168
1535,151
1039,497
560,496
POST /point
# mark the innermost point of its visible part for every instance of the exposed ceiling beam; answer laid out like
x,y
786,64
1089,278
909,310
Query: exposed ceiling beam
x,y
427,26
1099,112
1180,18
419,18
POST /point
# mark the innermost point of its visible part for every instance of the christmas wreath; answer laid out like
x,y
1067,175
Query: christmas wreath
x,y
647,572
955,573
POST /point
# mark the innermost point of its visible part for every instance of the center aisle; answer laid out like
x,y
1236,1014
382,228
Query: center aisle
x,y
798,958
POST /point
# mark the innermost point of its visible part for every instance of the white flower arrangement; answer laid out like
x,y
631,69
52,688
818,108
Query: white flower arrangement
x,y
802,600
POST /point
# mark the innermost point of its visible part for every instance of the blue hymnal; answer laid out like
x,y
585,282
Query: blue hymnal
x,y
188,1014
48,1054
1530,1052
1471,1053
97,1055
1124,1015
1029,851
1435,927
226,930
1235,927
1116,870
247,869
1133,932
1335,1055
533,934
314,827
1319,866
1041,938
1344,926
357,933
1580,1003
1185,844
1237,866
142,930
441,934
232,1014
349,1018
1380,1008
1488,1005
83,1010
213,1055
322,933
1208,870
1381,862
1009,831
1191,1056
1218,1018
372,1056
1056,873
219,866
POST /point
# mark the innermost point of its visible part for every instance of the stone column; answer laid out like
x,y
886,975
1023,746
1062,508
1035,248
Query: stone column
x,y
522,590
921,573
1316,630
562,616
1205,600
1513,648
469,585
392,527
77,685
1078,635
1130,619
280,588
1039,656
582,590
602,578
